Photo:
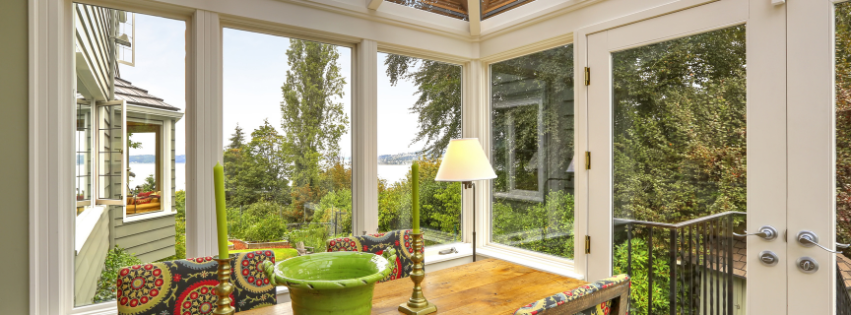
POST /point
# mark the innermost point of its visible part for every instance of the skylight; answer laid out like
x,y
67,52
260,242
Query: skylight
x,y
458,8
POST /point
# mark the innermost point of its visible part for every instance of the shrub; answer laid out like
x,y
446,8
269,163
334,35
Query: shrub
x,y
268,229
313,235
116,258
640,279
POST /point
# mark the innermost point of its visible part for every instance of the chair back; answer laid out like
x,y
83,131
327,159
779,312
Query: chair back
x,y
187,286
400,240
604,297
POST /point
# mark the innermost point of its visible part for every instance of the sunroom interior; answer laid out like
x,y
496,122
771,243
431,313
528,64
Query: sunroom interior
x,y
508,156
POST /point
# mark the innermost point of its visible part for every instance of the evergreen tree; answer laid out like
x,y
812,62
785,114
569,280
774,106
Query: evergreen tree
x,y
312,120
237,139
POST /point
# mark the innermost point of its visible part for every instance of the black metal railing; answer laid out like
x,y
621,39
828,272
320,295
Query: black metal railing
x,y
843,300
699,255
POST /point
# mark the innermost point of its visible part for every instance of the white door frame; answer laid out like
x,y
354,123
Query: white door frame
x,y
811,154
765,26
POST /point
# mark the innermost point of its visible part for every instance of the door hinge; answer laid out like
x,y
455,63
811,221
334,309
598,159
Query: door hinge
x,y
587,76
587,244
587,160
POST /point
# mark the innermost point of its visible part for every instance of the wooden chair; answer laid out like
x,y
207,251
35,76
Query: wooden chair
x,y
186,286
604,297
399,240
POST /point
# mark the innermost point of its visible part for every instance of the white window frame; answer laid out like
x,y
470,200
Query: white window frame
x,y
166,206
488,247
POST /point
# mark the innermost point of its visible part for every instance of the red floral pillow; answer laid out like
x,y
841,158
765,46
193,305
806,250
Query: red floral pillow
x,y
144,201
144,194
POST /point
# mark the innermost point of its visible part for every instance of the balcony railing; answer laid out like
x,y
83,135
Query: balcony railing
x,y
693,264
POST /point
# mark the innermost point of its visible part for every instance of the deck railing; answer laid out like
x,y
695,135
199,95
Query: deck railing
x,y
699,255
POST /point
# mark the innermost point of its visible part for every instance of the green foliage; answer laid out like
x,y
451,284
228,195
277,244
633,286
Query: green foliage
x,y
116,259
680,127
438,106
257,171
640,276
313,235
843,124
266,229
281,254
150,184
335,208
542,227
312,121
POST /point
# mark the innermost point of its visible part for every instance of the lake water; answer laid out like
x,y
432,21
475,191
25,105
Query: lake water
x,y
392,173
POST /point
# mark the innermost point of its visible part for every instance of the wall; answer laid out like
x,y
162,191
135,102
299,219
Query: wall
x,y
86,269
13,187
150,240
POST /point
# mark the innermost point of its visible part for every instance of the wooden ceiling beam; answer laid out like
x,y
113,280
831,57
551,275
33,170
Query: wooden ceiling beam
x,y
475,16
374,4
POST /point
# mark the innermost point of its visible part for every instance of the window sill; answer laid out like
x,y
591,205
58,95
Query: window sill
x,y
559,266
148,216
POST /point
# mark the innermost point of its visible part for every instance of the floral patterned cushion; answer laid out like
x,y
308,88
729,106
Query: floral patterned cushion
x,y
541,306
184,287
400,240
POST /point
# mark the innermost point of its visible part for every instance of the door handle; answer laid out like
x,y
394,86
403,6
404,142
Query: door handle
x,y
843,246
766,232
810,239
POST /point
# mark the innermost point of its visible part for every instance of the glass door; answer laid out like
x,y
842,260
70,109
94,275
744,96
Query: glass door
x,y
686,137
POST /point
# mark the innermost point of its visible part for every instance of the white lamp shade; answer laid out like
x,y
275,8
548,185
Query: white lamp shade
x,y
464,161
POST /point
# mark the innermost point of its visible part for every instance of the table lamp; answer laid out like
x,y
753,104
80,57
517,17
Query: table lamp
x,y
464,162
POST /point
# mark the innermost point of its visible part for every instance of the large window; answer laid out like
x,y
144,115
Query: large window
x,y
419,111
532,152
287,144
129,147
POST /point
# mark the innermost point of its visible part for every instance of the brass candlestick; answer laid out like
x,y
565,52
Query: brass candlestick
x,y
224,288
417,304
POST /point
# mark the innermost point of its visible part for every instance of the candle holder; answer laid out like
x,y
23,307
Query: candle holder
x,y
224,288
417,304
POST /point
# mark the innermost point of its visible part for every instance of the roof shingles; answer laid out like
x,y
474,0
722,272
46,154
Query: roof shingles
x,y
124,90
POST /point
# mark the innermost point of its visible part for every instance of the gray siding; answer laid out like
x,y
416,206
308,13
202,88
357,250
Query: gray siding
x,y
88,263
150,240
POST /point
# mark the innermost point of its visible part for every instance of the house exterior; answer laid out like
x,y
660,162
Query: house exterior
x,y
109,111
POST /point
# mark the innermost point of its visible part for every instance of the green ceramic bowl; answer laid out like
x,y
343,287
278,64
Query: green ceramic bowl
x,y
331,283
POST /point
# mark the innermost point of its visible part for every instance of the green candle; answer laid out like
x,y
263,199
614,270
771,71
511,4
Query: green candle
x,y
221,210
415,196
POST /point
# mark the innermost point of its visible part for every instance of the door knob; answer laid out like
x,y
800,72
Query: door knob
x,y
807,265
766,232
768,258
810,239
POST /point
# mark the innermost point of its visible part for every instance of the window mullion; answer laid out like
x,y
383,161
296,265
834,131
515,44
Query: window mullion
x,y
365,139
203,130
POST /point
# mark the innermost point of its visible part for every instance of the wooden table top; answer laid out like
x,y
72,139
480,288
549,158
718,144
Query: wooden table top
x,y
487,286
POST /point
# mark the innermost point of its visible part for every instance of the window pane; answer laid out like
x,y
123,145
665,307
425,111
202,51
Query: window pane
x,y
287,157
679,154
151,227
532,152
419,111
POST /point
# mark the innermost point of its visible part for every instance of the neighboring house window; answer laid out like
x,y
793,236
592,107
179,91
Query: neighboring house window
x,y
129,148
419,111
287,141
145,171
532,152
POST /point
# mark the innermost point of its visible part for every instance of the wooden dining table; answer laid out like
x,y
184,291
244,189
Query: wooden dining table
x,y
489,286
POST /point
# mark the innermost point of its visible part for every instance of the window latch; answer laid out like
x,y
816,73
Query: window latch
x,y
587,244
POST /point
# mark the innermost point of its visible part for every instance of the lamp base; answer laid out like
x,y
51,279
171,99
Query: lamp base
x,y
427,309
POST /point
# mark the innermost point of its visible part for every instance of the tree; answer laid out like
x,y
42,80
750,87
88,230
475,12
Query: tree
x,y
261,169
312,120
438,107
237,139
843,124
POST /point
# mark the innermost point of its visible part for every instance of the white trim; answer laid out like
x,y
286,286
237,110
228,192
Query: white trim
x,y
365,139
160,114
203,129
531,261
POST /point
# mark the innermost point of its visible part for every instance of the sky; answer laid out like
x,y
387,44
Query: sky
x,y
255,67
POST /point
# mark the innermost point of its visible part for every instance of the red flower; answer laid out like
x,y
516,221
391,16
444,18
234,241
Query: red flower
x,y
204,290
250,279
125,271
134,303
250,255
244,272
118,283
187,304
159,282
193,295
176,278
347,239
365,248
333,242
380,252
265,281
353,244
149,267
157,273
199,260
245,263
406,237
397,243
259,282
268,253
137,266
